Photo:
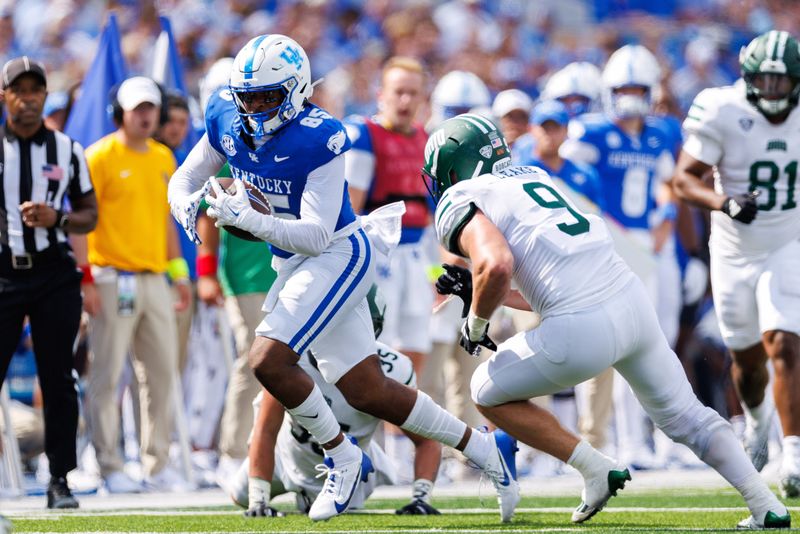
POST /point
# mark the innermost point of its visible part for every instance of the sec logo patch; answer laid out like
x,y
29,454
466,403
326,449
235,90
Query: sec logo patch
x,y
228,145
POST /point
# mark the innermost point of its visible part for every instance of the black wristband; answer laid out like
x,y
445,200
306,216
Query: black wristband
x,y
62,218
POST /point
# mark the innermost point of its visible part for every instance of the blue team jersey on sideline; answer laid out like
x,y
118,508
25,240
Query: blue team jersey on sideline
x,y
280,167
672,125
627,166
522,149
579,176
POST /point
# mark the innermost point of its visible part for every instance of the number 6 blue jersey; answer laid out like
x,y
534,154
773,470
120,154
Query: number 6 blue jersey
x,y
280,167
630,168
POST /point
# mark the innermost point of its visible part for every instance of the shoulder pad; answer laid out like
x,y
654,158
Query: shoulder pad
x,y
358,132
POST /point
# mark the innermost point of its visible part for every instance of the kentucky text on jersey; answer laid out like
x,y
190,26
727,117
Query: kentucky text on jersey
x,y
623,160
267,185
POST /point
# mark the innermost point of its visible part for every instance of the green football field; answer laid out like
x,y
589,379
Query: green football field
x,y
667,511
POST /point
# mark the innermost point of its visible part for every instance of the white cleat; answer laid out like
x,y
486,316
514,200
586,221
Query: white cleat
x,y
501,468
340,486
597,492
771,521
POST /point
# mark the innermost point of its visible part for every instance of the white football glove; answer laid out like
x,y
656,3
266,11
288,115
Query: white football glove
x,y
185,211
235,210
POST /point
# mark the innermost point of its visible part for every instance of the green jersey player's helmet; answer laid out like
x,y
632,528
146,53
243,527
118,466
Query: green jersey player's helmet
x,y
461,148
771,70
377,309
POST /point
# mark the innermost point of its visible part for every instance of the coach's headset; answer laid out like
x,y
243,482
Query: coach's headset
x,y
115,110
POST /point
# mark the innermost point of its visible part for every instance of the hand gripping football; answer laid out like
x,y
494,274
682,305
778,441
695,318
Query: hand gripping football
x,y
258,201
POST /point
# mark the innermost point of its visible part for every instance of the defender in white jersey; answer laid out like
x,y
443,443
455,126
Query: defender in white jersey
x,y
514,224
748,134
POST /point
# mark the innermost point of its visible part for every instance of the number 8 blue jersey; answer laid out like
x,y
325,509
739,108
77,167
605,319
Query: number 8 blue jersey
x,y
630,168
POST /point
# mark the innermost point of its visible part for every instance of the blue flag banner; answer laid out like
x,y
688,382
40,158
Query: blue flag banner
x,y
90,118
168,71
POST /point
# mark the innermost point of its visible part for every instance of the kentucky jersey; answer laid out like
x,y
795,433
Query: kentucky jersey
x,y
749,153
280,167
564,259
630,168
300,453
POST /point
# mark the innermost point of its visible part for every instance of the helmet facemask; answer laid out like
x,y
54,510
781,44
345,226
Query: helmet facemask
x,y
773,93
265,109
628,105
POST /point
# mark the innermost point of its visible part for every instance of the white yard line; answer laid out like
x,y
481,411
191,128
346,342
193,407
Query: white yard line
x,y
45,515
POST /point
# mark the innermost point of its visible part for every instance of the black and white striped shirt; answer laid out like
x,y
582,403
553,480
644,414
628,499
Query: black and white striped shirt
x,y
44,168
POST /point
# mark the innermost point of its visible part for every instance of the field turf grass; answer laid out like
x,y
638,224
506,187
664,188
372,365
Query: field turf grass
x,y
669,511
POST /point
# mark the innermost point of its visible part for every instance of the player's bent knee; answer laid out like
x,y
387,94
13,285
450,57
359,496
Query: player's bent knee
x,y
269,358
483,390
694,427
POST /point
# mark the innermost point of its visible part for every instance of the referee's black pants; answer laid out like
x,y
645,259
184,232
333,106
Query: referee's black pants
x,y
50,295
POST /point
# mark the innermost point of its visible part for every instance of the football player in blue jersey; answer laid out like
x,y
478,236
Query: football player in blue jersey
x,y
632,152
293,152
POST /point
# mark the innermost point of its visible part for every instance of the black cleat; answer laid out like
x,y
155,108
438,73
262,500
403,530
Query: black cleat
x,y
58,494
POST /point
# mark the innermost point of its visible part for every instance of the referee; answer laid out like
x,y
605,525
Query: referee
x,y
40,169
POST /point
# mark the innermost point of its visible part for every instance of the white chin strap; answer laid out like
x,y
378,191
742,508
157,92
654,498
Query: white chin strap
x,y
629,106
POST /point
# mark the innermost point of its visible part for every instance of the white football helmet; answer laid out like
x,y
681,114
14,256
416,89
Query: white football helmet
x,y
219,75
457,92
578,79
270,63
630,66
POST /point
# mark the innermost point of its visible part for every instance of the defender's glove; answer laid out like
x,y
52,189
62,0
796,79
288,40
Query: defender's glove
x,y
417,507
741,208
474,335
262,509
236,210
456,281
185,211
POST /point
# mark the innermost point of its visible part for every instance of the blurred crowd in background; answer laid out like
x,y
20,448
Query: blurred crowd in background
x,y
508,43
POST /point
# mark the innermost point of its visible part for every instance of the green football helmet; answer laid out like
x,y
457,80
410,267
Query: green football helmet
x,y
770,67
461,148
377,309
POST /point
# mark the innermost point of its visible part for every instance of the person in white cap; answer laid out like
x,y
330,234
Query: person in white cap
x,y
131,249
512,108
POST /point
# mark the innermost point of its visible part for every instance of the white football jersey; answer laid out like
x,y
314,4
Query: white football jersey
x,y
750,153
299,451
564,259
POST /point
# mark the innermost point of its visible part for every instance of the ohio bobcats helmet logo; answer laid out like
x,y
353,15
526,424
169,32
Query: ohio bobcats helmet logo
x,y
746,123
